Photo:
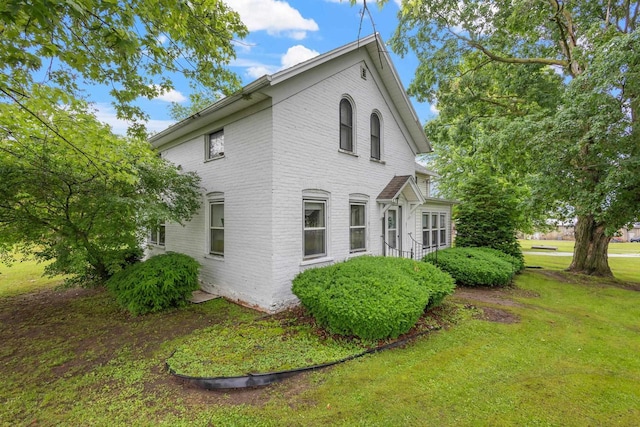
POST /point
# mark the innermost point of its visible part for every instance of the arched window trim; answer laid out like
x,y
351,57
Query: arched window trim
x,y
375,140
347,125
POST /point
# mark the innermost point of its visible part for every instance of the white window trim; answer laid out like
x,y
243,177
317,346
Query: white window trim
x,y
207,144
380,137
316,195
155,232
363,227
305,229
438,229
213,198
354,122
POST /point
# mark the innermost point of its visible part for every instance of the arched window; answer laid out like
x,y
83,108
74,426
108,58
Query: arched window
x,y
346,125
375,136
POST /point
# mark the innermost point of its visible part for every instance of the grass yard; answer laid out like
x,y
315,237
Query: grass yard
x,y
23,277
567,246
625,269
564,351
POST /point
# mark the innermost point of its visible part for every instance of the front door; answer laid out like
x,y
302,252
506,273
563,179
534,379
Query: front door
x,y
393,231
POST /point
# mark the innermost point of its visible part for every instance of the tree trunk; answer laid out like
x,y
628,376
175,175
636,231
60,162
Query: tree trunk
x,y
590,252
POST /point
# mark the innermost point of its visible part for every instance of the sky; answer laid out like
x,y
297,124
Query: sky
x,y
283,33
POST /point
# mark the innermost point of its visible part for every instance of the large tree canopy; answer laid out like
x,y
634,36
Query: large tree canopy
x,y
542,93
134,47
86,207
70,190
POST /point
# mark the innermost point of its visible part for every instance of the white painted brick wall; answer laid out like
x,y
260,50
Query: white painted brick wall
x,y
271,156
244,175
306,142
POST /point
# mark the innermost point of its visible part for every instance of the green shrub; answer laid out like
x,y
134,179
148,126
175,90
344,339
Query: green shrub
x,y
489,215
156,284
371,297
516,262
475,266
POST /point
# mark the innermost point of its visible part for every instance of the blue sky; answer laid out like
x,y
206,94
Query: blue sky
x,y
283,33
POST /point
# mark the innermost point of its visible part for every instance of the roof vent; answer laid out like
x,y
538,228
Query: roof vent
x,y
363,72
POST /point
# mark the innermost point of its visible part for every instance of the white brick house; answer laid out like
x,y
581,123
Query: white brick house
x,y
303,168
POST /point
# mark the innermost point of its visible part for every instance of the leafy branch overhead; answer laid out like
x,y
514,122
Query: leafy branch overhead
x,y
133,47
545,95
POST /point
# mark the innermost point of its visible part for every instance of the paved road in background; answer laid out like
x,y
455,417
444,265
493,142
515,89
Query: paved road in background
x,y
571,254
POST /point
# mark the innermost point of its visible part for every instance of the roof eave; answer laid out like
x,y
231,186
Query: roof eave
x,y
217,106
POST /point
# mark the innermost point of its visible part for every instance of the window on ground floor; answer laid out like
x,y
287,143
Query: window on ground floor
x,y
157,235
216,228
434,229
315,228
357,227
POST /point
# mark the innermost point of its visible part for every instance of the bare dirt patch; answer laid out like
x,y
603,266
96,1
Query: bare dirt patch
x,y
491,300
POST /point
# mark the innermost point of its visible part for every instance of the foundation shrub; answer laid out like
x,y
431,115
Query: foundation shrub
x,y
156,284
476,266
371,297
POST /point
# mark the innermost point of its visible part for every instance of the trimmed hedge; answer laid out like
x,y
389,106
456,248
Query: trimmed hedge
x,y
476,266
516,262
156,284
371,297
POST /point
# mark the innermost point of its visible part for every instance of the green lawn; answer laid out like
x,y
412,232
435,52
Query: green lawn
x,y
74,358
567,246
627,269
25,276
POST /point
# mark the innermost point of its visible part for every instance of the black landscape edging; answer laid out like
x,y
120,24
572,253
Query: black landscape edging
x,y
259,380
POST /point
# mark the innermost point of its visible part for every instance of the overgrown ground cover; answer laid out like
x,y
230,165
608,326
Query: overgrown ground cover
x,y
566,356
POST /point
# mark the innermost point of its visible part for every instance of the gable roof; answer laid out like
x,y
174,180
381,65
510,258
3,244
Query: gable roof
x,y
398,185
250,94
424,171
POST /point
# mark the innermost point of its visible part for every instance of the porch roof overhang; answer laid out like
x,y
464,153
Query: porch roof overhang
x,y
402,185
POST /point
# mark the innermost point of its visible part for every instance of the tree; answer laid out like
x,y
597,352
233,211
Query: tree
x,y
488,215
70,190
85,206
134,47
546,93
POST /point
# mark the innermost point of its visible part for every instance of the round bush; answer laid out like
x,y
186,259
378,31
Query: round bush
x,y
156,284
475,266
371,297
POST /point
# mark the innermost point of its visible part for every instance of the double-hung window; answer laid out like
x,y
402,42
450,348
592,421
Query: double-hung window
x,y
157,235
346,125
357,227
375,136
216,228
215,145
315,228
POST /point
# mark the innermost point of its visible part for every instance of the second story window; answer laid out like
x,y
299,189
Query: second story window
x,y
346,125
215,145
375,136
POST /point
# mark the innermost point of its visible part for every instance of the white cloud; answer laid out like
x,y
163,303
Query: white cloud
x,y
294,55
297,54
162,39
259,71
434,109
276,17
106,114
171,95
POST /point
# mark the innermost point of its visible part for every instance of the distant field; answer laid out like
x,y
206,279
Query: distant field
x,y
567,246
